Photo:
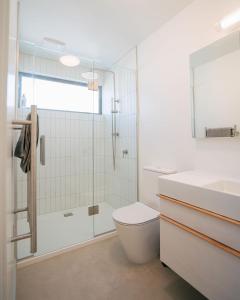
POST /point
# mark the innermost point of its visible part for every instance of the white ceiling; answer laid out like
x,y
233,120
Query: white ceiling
x,y
102,30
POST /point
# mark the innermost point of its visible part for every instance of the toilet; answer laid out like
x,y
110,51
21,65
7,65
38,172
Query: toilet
x,y
138,225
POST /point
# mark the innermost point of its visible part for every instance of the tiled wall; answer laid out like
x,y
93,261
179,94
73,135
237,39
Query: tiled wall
x,y
66,181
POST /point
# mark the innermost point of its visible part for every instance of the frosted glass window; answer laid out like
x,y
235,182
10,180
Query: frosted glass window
x,y
58,94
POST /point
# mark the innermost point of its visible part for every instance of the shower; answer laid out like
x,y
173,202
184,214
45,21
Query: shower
x,y
81,177
114,112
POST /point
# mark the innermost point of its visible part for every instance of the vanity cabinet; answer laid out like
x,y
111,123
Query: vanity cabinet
x,y
202,246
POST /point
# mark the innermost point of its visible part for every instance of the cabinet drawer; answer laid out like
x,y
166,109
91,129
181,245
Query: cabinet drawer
x,y
219,229
211,270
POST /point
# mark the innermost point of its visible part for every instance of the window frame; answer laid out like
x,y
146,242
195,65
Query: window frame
x,y
64,81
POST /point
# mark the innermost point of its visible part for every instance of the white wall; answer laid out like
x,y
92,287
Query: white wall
x,y
164,92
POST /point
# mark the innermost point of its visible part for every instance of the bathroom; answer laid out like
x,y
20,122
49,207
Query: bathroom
x,y
133,188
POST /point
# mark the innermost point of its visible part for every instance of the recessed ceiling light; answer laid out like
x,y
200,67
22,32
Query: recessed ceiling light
x,y
90,75
230,20
54,41
69,60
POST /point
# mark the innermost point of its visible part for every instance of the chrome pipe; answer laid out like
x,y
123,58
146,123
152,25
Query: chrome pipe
x,y
114,126
113,136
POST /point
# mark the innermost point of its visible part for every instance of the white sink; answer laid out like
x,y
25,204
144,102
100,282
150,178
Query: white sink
x,y
211,192
225,186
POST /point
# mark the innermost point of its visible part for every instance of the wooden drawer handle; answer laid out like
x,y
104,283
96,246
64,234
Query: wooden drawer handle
x,y
202,236
201,210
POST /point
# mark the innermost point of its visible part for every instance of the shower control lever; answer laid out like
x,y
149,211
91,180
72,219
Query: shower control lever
x,y
114,111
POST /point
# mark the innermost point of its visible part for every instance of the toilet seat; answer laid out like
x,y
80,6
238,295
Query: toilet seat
x,y
135,214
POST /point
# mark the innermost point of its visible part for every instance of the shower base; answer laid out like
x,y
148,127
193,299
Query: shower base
x,y
56,231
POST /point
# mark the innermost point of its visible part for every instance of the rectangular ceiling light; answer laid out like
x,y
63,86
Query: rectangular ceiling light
x,y
230,20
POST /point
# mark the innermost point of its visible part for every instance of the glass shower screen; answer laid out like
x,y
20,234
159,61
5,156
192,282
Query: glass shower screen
x,y
87,152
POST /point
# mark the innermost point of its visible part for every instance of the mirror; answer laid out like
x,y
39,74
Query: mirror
x,y
215,88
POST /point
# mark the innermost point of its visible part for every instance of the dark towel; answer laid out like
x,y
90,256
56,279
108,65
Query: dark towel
x,y
23,147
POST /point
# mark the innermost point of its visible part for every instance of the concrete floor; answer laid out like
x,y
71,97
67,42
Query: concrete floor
x,y
101,272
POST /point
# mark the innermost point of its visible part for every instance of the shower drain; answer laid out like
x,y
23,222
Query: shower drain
x,y
70,214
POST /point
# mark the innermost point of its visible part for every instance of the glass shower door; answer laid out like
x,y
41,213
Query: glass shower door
x,y
87,152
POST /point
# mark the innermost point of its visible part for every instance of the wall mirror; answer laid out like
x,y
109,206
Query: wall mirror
x,y
215,88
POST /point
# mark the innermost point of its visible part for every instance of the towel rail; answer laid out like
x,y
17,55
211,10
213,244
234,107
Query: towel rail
x,y
33,181
31,184
17,128
19,210
23,122
21,237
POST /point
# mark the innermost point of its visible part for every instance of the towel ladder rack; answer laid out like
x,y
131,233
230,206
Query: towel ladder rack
x,y
31,183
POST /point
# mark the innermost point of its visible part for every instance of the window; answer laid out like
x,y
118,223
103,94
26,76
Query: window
x,y
58,94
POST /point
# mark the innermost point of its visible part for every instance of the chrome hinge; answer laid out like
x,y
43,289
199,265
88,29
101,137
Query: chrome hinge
x,y
93,210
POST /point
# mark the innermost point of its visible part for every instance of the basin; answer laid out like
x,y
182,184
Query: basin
x,y
208,191
225,186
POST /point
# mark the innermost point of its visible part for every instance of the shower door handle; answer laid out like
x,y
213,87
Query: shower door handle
x,y
42,150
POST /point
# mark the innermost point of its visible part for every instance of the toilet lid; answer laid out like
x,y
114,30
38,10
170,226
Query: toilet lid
x,y
134,214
